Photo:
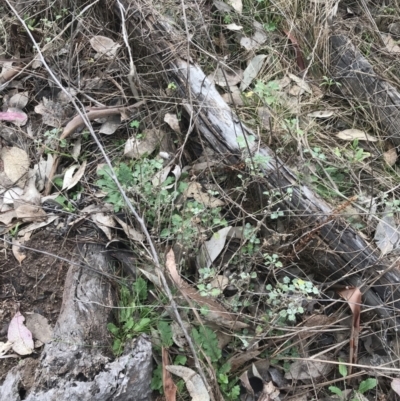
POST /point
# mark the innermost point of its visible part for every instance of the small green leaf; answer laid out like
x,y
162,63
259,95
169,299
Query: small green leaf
x,y
113,329
367,385
342,368
204,310
336,390
180,360
143,325
117,346
140,288
129,324
165,331
134,124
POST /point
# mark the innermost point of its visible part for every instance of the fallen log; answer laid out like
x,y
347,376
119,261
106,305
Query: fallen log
x,y
359,81
342,253
77,365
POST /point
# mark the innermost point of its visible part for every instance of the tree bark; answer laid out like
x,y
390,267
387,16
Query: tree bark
x,y
359,81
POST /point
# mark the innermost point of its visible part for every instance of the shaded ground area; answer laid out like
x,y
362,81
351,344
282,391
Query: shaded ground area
x,y
35,286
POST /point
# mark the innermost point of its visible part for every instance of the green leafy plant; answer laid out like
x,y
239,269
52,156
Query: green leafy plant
x,y
134,124
357,154
181,226
363,387
272,261
52,137
172,86
206,340
66,204
267,92
329,82
287,297
227,19
134,316
205,288
270,26
14,231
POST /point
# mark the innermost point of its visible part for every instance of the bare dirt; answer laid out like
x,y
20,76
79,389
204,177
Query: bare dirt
x,y
34,286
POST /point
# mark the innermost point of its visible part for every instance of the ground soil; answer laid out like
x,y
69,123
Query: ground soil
x,y
34,286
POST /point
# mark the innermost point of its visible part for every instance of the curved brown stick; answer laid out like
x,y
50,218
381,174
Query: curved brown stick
x,y
92,114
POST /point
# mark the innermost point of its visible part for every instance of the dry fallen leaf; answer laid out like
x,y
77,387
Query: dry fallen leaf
x,y
172,121
390,157
395,384
301,83
131,233
233,27
136,148
27,212
353,133
237,5
15,116
37,225
104,222
387,235
221,6
20,336
226,78
233,96
71,179
53,113
16,165
210,250
12,195
241,358
257,40
321,114
19,100
169,386
244,379
354,298
39,326
5,347
309,369
7,217
194,190
252,70
111,124
104,46
193,381
391,44
17,251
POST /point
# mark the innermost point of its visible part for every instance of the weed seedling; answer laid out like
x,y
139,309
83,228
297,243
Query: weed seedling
x,y
134,316
363,387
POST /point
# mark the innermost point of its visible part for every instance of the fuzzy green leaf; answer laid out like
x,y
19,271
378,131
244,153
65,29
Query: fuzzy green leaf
x,y
336,390
367,385
164,328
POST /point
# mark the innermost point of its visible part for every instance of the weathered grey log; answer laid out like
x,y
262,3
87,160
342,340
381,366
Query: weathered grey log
x,y
342,253
359,81
77,365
